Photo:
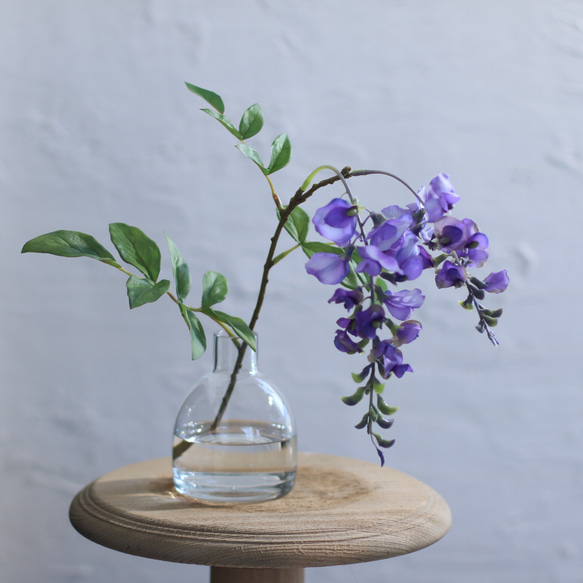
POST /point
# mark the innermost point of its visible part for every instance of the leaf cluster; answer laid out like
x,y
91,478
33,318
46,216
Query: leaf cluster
x,y
136,249
250,125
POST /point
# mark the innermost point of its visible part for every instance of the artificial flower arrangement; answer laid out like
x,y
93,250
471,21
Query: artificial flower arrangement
x,y
369,255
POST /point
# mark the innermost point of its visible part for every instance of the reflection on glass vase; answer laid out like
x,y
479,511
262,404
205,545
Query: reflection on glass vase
x,y
239,449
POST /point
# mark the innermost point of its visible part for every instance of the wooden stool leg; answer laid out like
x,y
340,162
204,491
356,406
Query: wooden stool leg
x,y
236,575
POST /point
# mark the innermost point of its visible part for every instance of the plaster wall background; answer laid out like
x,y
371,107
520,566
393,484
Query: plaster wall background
x,y
97,127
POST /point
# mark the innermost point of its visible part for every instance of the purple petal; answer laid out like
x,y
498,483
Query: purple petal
x,y
401,369
497,282
401,304
344,343
336,221
385,260
329,268
388,233
368,321
450,275
348,297
409,331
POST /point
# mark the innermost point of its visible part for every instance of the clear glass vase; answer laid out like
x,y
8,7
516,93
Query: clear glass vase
x,y
243,452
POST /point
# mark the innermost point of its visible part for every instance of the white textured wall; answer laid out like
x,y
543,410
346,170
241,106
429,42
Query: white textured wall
x,y
97,127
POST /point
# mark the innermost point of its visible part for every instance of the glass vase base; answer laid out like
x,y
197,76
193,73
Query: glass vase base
x,y
222,487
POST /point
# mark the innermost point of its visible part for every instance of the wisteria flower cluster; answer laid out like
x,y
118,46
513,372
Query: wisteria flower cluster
x,y
379,251
369,255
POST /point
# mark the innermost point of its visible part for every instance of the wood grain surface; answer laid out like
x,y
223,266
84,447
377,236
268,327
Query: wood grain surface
x,y
341,511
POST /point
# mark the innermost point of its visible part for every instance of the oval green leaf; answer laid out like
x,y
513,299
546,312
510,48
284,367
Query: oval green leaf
x,y
197,335
251,122
143,291
225,121
239,326
136,249
311,247
215,289
280,153
209,96
298,225
70,244
180,270
252,154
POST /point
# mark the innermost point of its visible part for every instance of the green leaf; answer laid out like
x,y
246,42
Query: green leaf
x,y
284,254
252,154
136,249
298,225
197,335
384,408
353,279
355,398
180,271
70,244
225,121
144,291
239,326
251,122
280,153
215,289
311,247
209,96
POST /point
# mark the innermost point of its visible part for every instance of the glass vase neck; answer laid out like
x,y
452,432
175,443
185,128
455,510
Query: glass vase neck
x,y
227,354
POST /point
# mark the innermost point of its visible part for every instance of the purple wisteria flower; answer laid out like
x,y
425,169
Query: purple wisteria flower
x,y
390,360
328,268
408,332
453,234
439,198
394,211
450,275
368,321
389,232
348,297
394,248
398,247
402,303
464,238
411,256
344,343
336,221
496,282
374,260
476,250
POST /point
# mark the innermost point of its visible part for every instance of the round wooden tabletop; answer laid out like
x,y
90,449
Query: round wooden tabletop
x,y
341,511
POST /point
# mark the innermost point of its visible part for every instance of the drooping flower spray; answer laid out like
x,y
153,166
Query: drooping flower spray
x,y
400,244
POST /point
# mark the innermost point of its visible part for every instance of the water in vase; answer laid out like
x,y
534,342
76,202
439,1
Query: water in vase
x,y
238,461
